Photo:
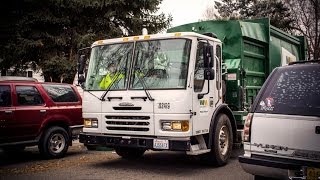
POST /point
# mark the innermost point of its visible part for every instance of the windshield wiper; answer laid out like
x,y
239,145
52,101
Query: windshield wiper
x,y
141,80
114,79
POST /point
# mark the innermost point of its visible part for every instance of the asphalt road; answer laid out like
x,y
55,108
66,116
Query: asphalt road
x,y
82,164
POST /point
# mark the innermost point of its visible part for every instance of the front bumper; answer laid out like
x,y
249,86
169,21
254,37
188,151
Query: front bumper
x,y
273,166
75,131
132,141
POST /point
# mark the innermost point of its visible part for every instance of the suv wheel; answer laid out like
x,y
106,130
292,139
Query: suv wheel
x,y
129,153
222,142
54,143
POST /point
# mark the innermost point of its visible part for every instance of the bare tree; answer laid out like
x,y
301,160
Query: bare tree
x,y
307,22
210,13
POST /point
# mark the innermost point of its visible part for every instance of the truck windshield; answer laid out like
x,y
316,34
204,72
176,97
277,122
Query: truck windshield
x,y
109,63
162,64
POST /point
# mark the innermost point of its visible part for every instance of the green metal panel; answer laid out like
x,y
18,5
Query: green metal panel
x,y
251,50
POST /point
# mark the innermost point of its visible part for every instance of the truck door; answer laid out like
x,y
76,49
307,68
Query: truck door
x,y
202,107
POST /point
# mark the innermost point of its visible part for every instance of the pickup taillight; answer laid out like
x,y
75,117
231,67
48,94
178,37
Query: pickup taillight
x,y
246,130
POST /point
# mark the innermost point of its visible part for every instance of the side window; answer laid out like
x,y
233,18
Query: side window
x,y
199,69
5,96
218,66
28,96
60,93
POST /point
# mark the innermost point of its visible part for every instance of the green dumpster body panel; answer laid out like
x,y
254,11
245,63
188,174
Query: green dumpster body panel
x,y
251,50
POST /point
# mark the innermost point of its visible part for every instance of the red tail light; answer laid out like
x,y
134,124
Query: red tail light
x,y
246,130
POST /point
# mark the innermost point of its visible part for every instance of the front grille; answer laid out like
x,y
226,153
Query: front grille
x,y
129,117
127,123
127,129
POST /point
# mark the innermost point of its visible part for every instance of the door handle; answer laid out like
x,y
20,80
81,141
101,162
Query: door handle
x,y
8,112
317,129
43,110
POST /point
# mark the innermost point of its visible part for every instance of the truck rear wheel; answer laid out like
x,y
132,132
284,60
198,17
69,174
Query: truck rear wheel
x,y
54,143
129,153
222,142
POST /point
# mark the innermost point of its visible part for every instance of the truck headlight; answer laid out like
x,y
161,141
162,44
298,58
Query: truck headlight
x,y
175,126
90,122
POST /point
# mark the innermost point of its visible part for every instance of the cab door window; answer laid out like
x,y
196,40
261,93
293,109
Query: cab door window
x,y
5,96
199,69
28,96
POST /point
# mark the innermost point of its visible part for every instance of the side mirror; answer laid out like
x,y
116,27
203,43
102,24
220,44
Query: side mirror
x,y
208,55
209,74
81,79
81,63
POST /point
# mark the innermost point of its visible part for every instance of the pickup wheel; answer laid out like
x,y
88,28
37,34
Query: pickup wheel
x,y
129,153
54,143
222,142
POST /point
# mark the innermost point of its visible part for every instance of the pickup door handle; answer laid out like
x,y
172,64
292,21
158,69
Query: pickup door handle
x,y
317,129
43,110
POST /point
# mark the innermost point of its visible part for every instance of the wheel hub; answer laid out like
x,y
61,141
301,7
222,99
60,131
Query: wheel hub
x,y
223,140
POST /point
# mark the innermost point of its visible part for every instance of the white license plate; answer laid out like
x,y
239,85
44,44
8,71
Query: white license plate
x,y
160,144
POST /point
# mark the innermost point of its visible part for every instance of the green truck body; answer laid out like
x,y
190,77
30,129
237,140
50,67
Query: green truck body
x,y
251,50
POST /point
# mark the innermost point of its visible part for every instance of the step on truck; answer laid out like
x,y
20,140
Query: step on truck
x,y
187,90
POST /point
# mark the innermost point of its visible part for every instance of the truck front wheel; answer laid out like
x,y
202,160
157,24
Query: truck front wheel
x,y
222,141
129,153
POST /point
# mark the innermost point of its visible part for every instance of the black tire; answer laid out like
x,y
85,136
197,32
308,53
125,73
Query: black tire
x,y
129,153
221,148
91,147
54,143
13,149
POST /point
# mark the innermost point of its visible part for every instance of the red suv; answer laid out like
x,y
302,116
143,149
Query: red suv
x,y
45,114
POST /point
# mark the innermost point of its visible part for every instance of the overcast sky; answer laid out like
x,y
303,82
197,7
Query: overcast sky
x,y
185,11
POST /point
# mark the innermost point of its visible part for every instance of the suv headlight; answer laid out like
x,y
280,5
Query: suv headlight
x,y
175,125
90,122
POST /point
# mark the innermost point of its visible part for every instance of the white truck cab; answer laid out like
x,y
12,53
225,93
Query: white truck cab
x,y
166,94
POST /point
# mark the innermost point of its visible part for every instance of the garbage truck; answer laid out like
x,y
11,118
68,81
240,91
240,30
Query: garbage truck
x,y
186,90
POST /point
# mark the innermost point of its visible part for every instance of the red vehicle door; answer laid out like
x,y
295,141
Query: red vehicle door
x,y
6,112
30,112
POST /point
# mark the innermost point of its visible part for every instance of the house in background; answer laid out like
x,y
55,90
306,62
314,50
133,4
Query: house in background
x,y
37,74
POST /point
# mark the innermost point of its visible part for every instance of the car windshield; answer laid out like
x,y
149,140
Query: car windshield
x,y
294,90
109,63
161,64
